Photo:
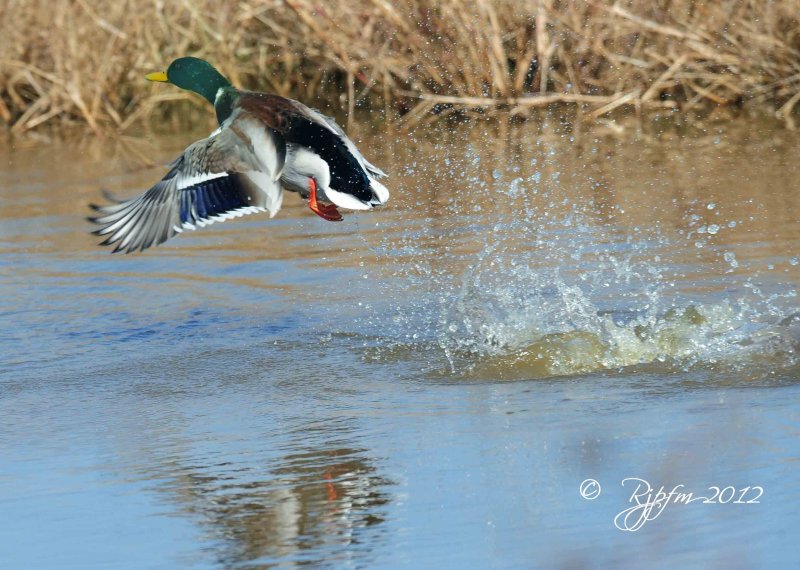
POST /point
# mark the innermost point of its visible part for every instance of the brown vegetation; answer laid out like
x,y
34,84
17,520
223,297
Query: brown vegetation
x,y
68,61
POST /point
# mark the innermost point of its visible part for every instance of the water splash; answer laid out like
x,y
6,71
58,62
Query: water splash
x,y
536,286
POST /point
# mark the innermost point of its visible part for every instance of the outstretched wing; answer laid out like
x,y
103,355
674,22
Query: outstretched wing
x,y
215,179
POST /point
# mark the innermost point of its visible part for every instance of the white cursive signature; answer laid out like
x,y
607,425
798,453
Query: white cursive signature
x,y
648,504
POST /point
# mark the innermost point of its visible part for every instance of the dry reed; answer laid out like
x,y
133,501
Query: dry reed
x,y
68,61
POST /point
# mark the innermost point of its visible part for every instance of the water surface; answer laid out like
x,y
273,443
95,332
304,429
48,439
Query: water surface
x,y
422,386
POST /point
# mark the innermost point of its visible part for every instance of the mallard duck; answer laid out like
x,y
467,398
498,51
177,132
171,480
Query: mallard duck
x,y
264,144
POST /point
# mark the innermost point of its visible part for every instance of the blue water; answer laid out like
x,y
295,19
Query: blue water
x,y
424,386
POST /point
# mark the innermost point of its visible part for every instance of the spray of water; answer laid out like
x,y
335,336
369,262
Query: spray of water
x,y
519,279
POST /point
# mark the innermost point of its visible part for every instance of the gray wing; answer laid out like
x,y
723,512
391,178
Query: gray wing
x,y
215,179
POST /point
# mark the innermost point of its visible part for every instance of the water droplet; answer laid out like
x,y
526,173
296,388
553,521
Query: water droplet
x,y
794,261
711,206
713,228
731,224
496,174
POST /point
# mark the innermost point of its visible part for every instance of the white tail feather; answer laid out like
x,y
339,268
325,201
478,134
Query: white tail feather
x,y
379,191
346,200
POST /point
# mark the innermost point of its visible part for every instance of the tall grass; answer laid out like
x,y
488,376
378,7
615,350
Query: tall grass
x,y
68,61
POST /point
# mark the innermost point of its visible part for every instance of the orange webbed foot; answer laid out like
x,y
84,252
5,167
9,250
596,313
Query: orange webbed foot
x,y
325,212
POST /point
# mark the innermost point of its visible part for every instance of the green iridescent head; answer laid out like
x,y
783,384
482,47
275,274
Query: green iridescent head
x,y
194,75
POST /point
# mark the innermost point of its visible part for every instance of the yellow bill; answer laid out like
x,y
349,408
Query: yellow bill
x,y
157,76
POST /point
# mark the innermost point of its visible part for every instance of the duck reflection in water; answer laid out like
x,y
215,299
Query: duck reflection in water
x,y
328,502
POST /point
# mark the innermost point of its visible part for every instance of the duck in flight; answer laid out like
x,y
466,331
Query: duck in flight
x,y
264,144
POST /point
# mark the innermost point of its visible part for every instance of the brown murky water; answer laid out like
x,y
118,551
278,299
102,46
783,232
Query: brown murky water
x,y
422,386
